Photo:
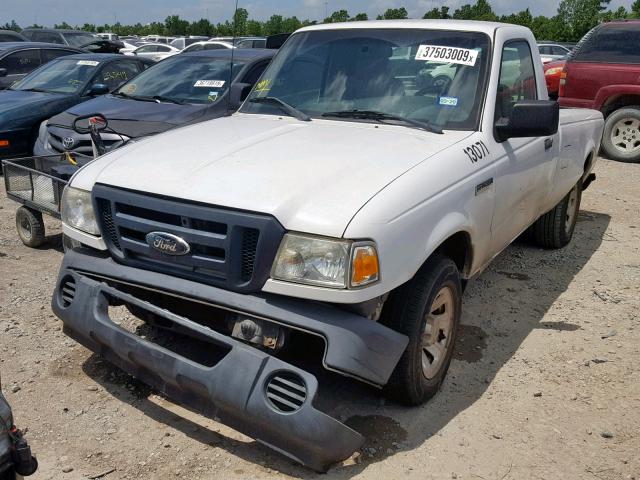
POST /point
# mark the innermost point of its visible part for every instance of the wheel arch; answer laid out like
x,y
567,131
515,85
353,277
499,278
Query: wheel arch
x,y
619,100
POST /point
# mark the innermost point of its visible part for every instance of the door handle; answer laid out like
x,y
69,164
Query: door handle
x,y
548,143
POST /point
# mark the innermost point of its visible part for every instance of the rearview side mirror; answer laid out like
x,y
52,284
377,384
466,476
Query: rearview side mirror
x,y
529,118
98,89
3,72
238,93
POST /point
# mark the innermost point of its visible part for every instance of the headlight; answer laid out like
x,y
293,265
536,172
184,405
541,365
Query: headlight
x,y
77,210
325,262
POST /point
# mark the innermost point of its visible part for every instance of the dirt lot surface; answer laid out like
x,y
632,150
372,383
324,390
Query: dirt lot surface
x,y
545,383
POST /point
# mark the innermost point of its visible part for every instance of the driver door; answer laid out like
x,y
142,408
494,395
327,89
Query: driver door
x,y
523,165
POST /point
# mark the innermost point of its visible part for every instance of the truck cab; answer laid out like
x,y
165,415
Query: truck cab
x,y
347,202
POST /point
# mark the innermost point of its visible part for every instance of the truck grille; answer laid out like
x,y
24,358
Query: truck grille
x,y
227,248
82,142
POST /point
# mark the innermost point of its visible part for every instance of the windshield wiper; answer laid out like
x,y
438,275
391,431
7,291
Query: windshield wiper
x,y
384,118
162,98
284,106
135,97
41,90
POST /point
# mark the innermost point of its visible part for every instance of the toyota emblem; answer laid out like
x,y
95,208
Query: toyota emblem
x,y
68,142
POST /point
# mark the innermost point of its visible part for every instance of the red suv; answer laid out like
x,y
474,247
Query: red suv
x,y
603,73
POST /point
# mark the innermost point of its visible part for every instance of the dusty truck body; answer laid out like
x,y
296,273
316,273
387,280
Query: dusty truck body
x,y
345,202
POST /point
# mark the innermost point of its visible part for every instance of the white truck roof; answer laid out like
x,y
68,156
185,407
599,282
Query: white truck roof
x,y
464,25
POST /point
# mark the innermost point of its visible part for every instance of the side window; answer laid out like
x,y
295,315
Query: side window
x,y
51,54
19,63
558,51
214,46
194,48
259,43
116,73
254,74
148,49
47,37
517,77
162,48
545,50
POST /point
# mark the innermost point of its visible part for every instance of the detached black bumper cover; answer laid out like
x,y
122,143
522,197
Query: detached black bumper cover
x,y
235,390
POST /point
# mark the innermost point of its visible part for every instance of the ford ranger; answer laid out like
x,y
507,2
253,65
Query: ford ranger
x,y
347,202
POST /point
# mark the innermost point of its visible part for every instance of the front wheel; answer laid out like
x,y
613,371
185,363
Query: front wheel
x,y
427,309
621,136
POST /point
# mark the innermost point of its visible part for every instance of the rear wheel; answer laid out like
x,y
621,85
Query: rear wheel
x,y
30,226
621,136
426,309
555,228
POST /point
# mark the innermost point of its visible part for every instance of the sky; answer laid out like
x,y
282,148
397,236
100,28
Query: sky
x,y
48,12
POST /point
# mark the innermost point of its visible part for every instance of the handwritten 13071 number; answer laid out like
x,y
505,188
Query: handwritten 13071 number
x,y
476,152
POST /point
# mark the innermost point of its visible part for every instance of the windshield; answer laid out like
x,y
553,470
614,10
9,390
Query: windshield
x,y
59,76
432,76
184,79
80,39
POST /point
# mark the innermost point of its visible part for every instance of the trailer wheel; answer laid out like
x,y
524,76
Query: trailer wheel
x,y
555,228
30,227
427,309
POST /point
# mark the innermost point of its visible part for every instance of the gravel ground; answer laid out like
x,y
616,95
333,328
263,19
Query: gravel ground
x,y
545,383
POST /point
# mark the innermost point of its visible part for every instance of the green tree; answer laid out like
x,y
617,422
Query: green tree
x,y
11,26
174,25
63,26
635,9
201,27
337,17
523,18
581,15
254,28
443,13
290,25
361,17
274,25
481,10
240,18
394,14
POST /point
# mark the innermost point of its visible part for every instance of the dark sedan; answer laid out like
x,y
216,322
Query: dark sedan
x,y
182,89
20,58
53,88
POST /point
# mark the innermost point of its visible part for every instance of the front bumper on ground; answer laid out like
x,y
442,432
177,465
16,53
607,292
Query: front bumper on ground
x,y
234,390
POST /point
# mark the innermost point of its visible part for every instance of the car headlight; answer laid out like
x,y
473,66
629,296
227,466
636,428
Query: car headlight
x,y
325,262
77,211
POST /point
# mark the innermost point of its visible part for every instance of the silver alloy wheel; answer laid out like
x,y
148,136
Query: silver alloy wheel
x,y
625,135
572,210
436,338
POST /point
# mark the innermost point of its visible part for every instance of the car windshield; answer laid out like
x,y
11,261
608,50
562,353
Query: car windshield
x,y
80,39
431,76
183,79
59,76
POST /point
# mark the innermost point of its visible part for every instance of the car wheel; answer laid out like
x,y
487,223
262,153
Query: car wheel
x,y
555,228
621,136
427,309
30,227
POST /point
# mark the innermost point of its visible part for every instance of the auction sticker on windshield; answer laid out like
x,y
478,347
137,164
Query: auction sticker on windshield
x,y
210,83
436,53
88,63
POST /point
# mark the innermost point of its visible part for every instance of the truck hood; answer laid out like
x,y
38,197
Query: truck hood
x,y
312,176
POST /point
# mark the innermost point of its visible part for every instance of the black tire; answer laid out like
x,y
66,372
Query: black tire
x,y
623,125
407,312
555,228
30,227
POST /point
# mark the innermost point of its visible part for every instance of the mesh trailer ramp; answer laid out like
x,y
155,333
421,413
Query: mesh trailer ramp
x,y
36,183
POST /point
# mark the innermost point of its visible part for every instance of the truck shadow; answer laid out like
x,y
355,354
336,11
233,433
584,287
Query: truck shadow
x,y
501,308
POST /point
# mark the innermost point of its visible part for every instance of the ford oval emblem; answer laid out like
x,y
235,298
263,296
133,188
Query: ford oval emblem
x,y
68,142
167,243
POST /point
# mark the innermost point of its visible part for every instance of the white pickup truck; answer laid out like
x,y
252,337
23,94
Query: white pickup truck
x,y
346,204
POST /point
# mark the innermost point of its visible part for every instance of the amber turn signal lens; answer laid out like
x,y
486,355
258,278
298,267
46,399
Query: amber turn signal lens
x,y
4,143
364,266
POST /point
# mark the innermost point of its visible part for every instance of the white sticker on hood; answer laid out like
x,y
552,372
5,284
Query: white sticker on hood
x,y
436,53
210,83
88,63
